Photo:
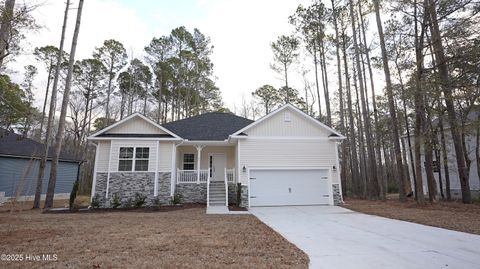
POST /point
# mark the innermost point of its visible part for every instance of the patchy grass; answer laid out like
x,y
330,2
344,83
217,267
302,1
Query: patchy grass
x,y
186,238
80,201
450,215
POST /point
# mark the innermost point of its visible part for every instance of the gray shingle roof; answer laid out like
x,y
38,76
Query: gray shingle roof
x,y
209,126
15,145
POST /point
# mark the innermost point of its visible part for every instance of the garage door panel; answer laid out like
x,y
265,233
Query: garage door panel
x,y
289,187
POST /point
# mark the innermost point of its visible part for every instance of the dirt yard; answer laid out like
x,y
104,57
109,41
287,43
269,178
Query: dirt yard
x,y
450,215
185,238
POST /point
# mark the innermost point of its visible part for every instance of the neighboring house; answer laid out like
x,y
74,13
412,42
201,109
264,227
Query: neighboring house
x,y
438,164
19,163
284,158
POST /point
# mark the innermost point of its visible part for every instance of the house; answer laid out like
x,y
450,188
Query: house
x,y
284,158
19,164
471,147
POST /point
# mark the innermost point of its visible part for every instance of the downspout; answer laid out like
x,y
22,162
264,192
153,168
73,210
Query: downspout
x,y
174,168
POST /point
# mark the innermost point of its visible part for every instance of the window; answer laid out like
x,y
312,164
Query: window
x,y
141,159
129,155
287,117
125,159
188,161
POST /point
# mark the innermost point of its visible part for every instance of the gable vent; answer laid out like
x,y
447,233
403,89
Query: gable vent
x,y
287,117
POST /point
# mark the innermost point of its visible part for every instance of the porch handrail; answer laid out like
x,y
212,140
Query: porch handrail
x,y
226,188
231,175
191,176
208,191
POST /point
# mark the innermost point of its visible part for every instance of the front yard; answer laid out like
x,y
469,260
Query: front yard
x,y
184,238
449,215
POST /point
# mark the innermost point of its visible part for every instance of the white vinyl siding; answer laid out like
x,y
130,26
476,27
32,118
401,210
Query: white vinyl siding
x,y
287,153
134,126
117,144
165,157
297,126
103,156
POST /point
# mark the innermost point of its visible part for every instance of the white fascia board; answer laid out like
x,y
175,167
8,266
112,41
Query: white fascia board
x,y
207,142
93,136
135,138
340,136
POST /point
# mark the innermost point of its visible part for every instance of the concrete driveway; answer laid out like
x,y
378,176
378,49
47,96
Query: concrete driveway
x,y
334,237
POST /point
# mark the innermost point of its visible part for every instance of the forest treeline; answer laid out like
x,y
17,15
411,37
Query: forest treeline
x,y
401,80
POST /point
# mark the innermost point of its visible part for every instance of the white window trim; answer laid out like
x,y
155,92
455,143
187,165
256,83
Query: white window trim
x,y
194,160
134,159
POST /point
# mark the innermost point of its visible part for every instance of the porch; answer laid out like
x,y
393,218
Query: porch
x,y
206,173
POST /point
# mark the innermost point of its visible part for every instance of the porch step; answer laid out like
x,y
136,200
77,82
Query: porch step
x,y
217,203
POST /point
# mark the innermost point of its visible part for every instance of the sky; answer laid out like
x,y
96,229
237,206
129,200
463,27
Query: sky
x,y
240,30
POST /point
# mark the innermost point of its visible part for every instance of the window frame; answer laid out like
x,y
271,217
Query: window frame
x,y
141,159
134,159
193,162
131,159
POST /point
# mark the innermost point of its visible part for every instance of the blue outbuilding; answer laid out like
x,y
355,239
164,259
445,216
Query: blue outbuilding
x,y
19,164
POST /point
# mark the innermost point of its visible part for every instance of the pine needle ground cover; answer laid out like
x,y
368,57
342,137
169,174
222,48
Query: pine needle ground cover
x,y
186,238
449,215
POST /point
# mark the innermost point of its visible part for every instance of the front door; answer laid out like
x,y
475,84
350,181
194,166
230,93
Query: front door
x,y
217,164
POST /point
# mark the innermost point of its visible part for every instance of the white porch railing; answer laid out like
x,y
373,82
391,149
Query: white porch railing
x,y
230,174
191,176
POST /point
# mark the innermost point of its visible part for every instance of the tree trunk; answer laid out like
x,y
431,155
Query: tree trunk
x,y
352,140
343,163
109,91
391,104
325,82
45,102
63,113
447,92
428,151
374,183
445,158
374,105
6,29
419,108
51,112
315,63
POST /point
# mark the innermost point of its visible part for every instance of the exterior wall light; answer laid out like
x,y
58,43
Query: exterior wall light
x,y
334,168
244,169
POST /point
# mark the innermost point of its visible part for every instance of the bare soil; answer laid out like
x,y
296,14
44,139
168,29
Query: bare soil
x,y
185,238
449,215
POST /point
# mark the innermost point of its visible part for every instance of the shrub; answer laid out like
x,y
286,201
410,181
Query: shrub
x,y
176,199
116,200
73,194
239,194
156,202
128,203
139,199
95,201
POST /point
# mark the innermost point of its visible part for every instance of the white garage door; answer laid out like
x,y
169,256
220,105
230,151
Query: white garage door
x,y
289,187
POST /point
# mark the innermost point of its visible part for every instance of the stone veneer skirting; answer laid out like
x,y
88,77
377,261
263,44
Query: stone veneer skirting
x,y
337,198
126,185
244,196
232,193
192,193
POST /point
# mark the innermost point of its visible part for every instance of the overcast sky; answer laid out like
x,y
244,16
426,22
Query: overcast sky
x,y
240,31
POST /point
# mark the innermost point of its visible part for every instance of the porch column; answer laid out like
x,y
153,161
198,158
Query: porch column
x,y
199,158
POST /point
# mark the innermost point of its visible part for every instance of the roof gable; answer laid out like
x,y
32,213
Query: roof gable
x,y
15,145
213,126
299,124
135,125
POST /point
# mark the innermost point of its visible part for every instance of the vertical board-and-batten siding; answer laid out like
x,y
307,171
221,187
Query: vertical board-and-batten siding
x,y
165,156
276,143
297,126
103,149
135,126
